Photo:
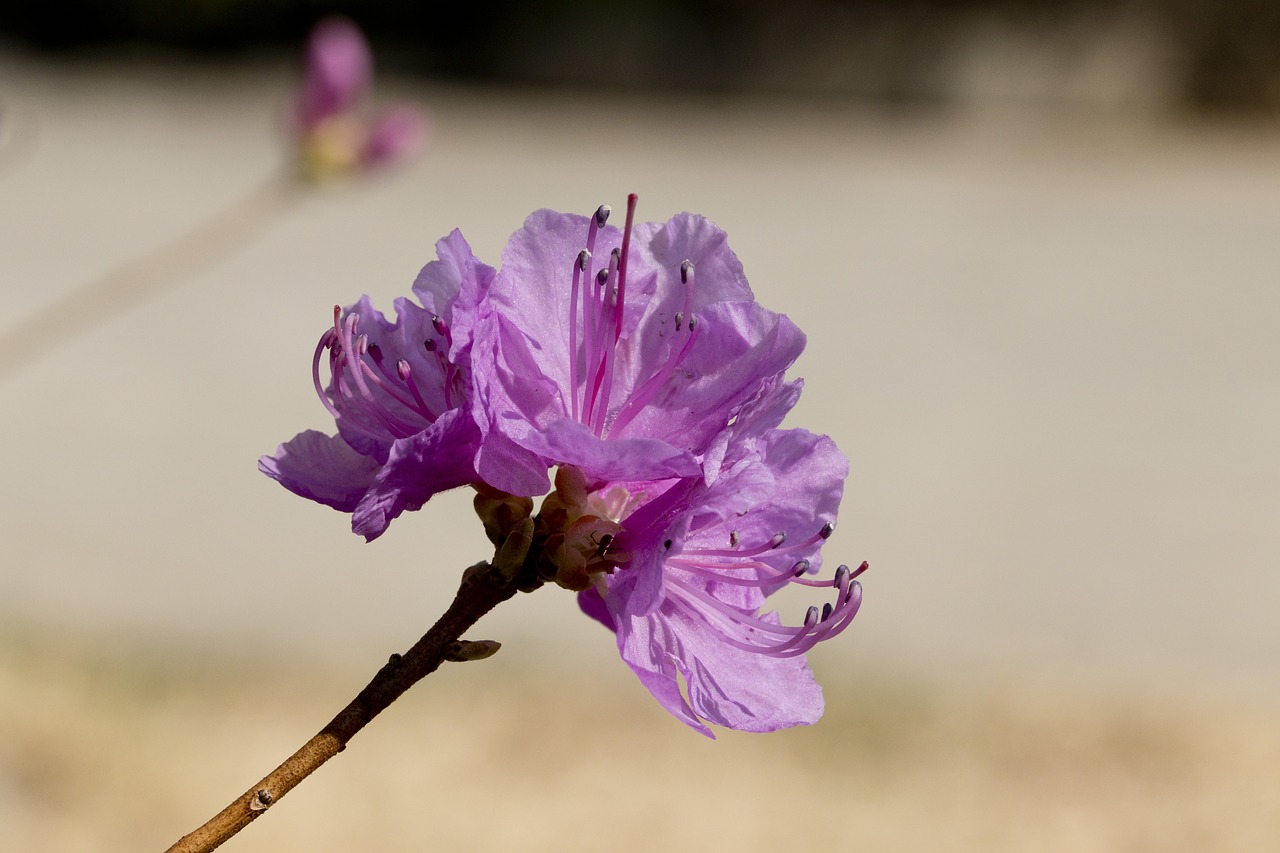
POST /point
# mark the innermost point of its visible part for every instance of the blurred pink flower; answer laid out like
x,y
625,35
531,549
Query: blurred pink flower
x,y
335,135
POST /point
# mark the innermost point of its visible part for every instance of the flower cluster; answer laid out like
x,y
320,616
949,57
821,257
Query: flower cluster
x,y
636,364
334,135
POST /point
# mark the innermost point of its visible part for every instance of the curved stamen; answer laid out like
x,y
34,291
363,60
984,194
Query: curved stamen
x,y
612,317
405,372
587,307
592,323
352,350
327,341
771,576
579,264
365,392
743,630
642,396
774,544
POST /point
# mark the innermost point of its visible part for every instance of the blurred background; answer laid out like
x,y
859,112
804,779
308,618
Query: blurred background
x,y
1034,248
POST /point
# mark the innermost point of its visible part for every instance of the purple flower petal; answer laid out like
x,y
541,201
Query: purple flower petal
x,y
726,686
322,468
402,396
439,458
565,442
592,604
630,390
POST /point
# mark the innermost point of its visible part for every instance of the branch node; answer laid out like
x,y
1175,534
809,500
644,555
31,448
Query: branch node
x,y
262,800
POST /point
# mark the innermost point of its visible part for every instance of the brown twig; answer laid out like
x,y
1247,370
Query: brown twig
x,y
483,587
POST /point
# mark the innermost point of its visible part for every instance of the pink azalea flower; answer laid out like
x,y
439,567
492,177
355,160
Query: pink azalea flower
x,y
655,384
400,393
334,134
623,352
689,565
638,362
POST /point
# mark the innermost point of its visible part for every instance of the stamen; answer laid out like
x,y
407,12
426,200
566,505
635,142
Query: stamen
x,y
641,396
406,374
587,311
602,346
579,266
364,389
743,630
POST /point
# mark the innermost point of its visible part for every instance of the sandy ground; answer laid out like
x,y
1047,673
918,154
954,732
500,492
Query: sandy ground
x,y
484,757
1046,341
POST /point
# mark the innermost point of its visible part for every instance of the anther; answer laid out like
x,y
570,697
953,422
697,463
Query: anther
x,y
440,325
602,277
429,345
733,539
693,322
667,545
679,320
362,344
686,270
602,215
778,539
800,568
842,576
811,617
583,257
827,530
827,610
403,370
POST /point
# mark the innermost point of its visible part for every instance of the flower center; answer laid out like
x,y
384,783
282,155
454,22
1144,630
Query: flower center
x,y
580,530
596,305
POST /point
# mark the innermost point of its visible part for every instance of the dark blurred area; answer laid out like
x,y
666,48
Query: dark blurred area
x,y
1196,54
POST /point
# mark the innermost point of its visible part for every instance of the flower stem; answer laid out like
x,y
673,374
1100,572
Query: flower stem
x,y
483,588
91,304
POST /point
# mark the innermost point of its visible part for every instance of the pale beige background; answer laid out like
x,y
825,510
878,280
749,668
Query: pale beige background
x,y
1047,341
